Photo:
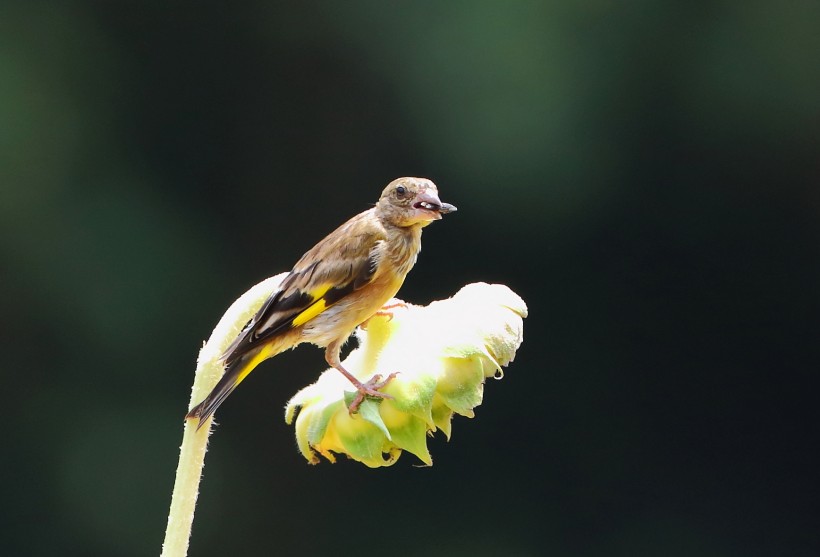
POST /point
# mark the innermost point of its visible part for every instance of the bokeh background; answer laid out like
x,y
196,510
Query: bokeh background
x,y
644,174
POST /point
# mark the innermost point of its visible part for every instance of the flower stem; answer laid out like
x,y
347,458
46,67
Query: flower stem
x,y
186,489
194,443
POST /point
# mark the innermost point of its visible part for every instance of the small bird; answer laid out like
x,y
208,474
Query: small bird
x,y
336,286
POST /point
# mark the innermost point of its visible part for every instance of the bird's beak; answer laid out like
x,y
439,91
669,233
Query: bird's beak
x,y
429,202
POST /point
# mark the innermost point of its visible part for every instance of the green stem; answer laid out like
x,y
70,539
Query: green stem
x,y
186,489
194,443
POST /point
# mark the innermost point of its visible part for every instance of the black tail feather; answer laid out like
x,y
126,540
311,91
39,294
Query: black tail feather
x,y
234,373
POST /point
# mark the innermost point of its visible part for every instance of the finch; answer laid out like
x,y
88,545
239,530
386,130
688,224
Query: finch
x,y
336,286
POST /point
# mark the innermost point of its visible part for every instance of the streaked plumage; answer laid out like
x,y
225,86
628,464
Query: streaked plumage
x,y
337,285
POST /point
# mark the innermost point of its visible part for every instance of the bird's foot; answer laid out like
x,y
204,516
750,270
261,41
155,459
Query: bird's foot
x,y
396,304
384,312
370,389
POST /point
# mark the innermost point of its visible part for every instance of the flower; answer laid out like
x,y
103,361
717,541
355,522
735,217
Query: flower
x,y
442,352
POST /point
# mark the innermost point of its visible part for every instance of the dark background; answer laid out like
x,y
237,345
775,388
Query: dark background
x,y
644,174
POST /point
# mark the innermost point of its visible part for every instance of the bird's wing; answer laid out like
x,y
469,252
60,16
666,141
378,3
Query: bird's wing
x,y
345,261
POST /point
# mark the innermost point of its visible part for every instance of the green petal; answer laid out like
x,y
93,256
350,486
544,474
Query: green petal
x,y
442,416
414,396
409,432
319,421
302,425
413,438
462,384
369,410
290,412
360,439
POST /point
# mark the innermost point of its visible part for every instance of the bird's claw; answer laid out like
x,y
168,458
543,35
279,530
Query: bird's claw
x,y
396,304
370,389
383,312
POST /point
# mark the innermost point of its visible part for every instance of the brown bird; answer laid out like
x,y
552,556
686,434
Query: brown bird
x,y
336,286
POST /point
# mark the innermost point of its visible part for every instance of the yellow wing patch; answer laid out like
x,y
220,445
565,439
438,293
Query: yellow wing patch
x,y
315,308
312,311
263,354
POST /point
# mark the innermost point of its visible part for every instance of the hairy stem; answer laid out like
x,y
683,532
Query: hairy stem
x,y
194,443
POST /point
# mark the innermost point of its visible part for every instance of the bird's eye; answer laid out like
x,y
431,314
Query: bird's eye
x,y
400,191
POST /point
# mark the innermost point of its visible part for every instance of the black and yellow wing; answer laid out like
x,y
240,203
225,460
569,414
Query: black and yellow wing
x,y
345,261
336,267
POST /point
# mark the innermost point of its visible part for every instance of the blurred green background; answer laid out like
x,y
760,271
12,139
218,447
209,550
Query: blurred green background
x,y
644,174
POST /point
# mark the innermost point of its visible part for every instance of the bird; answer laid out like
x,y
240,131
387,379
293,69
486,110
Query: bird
x,y
336,286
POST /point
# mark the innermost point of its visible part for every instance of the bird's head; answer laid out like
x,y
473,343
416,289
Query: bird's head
x,y
411,201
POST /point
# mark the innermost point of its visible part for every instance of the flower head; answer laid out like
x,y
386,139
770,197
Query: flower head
x,y
442,353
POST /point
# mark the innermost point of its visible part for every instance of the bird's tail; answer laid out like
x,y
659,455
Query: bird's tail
x,y
235,372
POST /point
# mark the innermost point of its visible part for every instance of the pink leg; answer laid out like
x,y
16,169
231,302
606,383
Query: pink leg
x,y
368,388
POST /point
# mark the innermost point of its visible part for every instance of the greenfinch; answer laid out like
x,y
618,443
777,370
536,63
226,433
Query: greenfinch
x,y
336,286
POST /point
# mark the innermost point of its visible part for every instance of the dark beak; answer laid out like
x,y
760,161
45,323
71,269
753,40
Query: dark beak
x,y
429,201
447,208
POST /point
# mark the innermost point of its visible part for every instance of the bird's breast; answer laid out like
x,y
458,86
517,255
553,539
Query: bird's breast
x,y
404,246
340,319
